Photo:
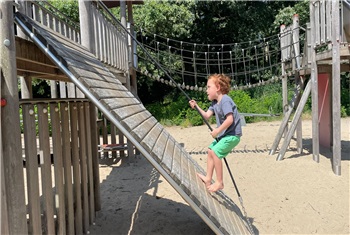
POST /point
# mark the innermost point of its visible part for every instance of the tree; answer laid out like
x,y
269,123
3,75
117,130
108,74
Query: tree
x,y
170,19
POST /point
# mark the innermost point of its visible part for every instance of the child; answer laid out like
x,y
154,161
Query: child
x,y
228,132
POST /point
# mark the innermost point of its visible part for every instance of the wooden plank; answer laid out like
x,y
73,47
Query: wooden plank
x,y
328,20
292,104
109,93
323,24
202,190
150,139
45,165
344,53
193,186
231,211
67,165
336,104
134,116
114,103
176,164
144,128
317,23
159,147
167,158
313,81
113,139
90,65
76,169
89,162
185,177
58,168
95,161
104,133
83,166
229,225
295,120
93,83
97,74
34,226
59,40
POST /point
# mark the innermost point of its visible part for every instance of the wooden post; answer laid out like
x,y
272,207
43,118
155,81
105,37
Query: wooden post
x,y
297,78
26,87
10,125
4,226
132,66
95,156
24,8
284,76
86,30
123,21
53,88
336,161
314,90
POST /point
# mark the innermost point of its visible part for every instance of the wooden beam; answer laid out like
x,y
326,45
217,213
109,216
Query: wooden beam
x,y
314,93
293,103
336,160
295,121
10,125
344,53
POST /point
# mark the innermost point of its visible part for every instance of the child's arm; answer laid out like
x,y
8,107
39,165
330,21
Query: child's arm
x,y
228,122
206,114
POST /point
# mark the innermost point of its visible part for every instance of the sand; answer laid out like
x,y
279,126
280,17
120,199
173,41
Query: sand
x,y
294,196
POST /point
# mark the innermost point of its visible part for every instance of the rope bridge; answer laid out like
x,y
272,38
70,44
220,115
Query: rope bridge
x,y
249,64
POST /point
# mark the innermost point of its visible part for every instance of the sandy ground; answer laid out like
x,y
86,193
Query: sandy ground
x,y
292,196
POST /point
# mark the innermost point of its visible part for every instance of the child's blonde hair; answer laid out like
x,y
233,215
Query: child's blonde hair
x,y
221,80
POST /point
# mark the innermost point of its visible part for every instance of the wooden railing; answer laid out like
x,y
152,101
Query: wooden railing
x,y
111,40
45,14
324,14
60,165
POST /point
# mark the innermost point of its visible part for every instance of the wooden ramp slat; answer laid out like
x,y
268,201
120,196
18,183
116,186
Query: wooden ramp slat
x,y
141,130
176,165
158,146
150,139
99,83
127,101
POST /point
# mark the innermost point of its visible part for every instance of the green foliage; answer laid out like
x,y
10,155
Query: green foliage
x,y
177,112
169,18
172,19
285,15
345,94
70,8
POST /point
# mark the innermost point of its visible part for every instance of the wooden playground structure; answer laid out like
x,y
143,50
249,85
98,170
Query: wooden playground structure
x,y
61,135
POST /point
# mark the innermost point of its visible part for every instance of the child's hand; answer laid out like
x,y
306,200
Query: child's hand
x,y
192,103
214,133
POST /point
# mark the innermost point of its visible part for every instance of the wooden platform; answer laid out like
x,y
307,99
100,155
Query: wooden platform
x,y
220,213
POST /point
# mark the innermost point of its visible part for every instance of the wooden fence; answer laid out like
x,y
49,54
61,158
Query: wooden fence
x,y
60,165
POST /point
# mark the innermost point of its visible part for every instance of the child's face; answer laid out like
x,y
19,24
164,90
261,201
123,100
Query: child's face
x,y
212,90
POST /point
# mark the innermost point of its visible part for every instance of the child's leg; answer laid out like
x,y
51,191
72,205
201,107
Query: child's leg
x,y
219,183
210,168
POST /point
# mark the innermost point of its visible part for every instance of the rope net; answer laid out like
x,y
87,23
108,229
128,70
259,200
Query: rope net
x,y
248,64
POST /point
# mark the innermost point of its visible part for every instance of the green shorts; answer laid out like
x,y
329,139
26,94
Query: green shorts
x,y
225,145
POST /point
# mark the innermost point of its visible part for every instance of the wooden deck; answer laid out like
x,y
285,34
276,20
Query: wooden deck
x,y
162,150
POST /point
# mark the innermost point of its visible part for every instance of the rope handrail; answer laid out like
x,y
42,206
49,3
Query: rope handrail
x,y
192,44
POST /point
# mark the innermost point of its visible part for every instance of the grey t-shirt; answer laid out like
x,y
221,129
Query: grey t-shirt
x,y
223,108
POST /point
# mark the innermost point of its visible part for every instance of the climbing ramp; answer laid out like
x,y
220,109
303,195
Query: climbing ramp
x,y
129,115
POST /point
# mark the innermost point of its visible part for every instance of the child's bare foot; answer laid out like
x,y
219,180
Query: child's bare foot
x,y
204,179
215,187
